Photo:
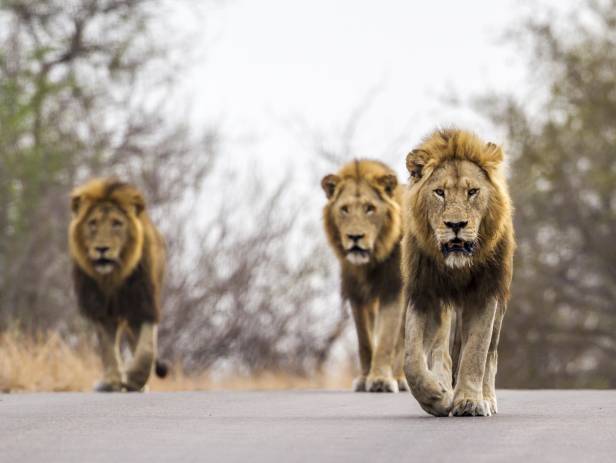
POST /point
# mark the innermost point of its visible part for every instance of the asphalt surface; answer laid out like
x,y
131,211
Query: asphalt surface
x,y
306,426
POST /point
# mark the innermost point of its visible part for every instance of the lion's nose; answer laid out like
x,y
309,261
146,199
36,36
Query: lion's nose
x,y
456,226
355,238
102,249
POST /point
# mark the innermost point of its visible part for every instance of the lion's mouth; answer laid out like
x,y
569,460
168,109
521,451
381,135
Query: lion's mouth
x,y
358,250
459,246
358,255
104,261
104,265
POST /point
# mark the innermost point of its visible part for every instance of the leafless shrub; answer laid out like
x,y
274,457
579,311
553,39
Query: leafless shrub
x,y
248,298
75,101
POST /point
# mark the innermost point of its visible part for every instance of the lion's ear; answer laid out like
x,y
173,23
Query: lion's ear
x,y
329,184
495,153
75,203
139,203
415,162
389,183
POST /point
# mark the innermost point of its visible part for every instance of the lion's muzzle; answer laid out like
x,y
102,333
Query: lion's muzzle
x,y
357,248
102,262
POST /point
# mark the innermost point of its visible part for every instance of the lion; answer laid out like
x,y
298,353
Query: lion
x,y
363,224
457,258
118,266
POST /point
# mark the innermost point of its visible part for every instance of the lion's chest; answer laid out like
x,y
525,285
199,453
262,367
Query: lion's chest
x,y
134,300
382,281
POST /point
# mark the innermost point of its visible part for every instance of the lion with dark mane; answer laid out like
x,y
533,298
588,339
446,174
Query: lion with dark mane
x,y
118,265
363,224
457,267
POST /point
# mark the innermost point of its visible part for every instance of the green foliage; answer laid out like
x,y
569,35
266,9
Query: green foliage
x,y
67,70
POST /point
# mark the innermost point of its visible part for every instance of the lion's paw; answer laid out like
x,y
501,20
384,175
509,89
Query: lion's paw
x,y
359,384
440,404
433,396
104,386
403,385
132,387
471,407
381,384
492,404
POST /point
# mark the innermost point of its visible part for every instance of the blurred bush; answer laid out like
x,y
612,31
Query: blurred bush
x,y
560,330
79,81
78,86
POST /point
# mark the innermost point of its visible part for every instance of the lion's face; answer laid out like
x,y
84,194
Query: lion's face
x,y
362,217
456,197
105,235
359,215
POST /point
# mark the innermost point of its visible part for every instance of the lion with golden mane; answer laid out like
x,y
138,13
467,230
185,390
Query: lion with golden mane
x,y
118,264
457,266
363,224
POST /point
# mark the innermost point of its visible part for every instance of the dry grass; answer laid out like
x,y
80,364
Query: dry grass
x,y
44,363
48,363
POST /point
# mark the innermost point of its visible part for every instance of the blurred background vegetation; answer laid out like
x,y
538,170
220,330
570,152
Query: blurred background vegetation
x,y
83,88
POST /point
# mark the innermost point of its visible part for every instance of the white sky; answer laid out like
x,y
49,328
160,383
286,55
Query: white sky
x,y
275,72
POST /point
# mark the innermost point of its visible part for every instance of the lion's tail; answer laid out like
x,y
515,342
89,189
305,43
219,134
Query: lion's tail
x,y
161,368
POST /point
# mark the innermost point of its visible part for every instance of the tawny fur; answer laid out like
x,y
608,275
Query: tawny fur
x,y
456,145
373,289
129,295
476,291
146,241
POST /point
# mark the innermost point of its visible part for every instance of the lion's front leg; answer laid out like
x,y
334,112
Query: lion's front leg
x,y
489,376
108,342
363,315
423,337
381,377
144,355
439,353
477,324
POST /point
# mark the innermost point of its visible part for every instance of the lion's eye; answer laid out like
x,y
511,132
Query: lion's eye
x,y
472,192
92,224
116,224
344,210
439,192
369,208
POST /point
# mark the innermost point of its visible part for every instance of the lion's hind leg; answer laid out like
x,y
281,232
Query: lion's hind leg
x,y
143,345
432,389
403,384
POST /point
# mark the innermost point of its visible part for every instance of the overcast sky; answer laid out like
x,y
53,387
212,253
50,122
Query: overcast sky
x,y
276,72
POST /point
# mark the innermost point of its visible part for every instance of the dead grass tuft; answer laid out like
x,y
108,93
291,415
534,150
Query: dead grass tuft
x,y
47,363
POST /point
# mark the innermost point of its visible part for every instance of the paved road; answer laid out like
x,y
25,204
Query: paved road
x,y
310,426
